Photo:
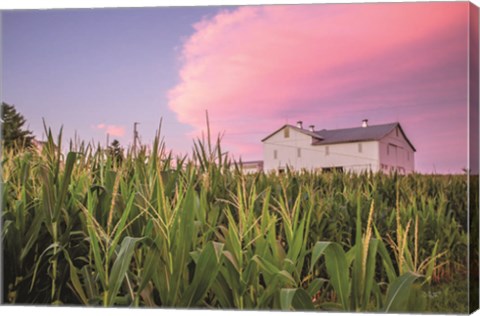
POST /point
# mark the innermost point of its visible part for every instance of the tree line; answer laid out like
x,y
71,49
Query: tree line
x,y
16,136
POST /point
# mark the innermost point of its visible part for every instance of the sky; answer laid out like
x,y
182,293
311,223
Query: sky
x,y
253,68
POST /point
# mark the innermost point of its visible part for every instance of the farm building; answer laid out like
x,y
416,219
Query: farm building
x,y
374,148
251,166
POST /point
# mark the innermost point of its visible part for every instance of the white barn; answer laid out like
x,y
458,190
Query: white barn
x,y
374,148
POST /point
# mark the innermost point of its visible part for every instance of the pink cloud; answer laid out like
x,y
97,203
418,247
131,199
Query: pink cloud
x,y
112,130
116,130
255,68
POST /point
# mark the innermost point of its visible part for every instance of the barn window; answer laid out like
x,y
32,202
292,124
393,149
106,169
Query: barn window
x,y
396,131
299,152
286,132
327,151
408,155
275,154
360,149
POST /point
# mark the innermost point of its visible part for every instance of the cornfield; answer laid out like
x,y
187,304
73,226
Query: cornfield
x,y
155,230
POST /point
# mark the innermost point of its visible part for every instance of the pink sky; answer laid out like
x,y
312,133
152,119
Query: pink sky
x,y
256,68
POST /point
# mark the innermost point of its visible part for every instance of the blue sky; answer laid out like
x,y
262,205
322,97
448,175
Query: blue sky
x,y
83,67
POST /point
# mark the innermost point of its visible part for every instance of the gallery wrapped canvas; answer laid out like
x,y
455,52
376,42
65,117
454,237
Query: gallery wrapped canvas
x,y
281,157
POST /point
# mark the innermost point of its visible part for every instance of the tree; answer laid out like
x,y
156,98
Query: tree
x,y
116,151
13,133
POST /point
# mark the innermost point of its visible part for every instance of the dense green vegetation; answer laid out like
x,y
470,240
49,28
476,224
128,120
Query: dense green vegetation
x,y
14,134
153,230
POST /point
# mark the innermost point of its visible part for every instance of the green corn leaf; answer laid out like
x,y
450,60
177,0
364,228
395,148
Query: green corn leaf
x,y
224,290
184,233
386,260
398,293
271,271
206,270
357,251
233,242
71,158
378,295
250,274
47,198
121,225
94,236
295,247
231,259
295,299
266,266
149,266
337,269
286,277
315,286
268,294
91,287
317,251
120,267
32,234
51,248
75,281
370,272
431,264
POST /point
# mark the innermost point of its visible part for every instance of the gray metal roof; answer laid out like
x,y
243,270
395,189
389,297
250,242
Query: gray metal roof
x,y
356,134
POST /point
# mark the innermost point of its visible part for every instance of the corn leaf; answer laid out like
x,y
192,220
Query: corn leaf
x,y
398,293
295,299
120,267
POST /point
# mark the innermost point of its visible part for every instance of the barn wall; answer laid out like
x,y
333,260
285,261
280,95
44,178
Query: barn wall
x,y
286,149
396,153
346,155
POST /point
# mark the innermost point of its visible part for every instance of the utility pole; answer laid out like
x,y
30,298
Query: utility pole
x,y
135,137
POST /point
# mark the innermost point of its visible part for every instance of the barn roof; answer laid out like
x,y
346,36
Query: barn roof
x,y
301,130
347,135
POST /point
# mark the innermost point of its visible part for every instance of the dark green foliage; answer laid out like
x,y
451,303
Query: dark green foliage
x,y
14,135
116,151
